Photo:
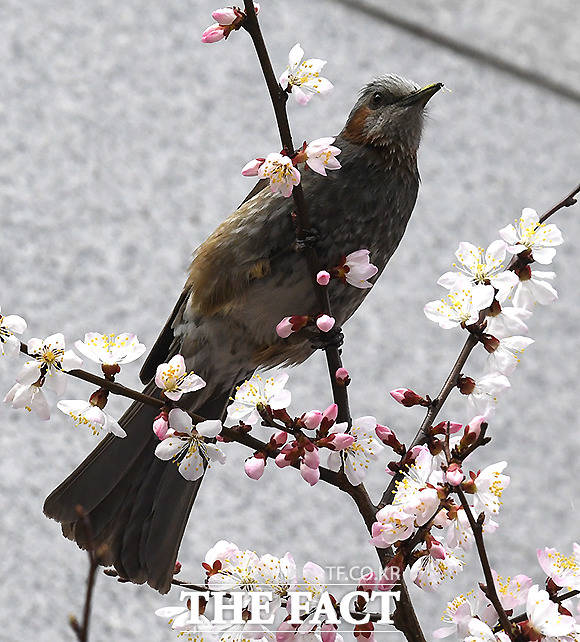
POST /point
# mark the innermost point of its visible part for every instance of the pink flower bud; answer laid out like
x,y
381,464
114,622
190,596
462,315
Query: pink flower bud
x,y
407,397
177,568
161,425
384,433
331,413
224,16
325,323
328,632
435,548
310,475
454,427
474,426
323,278
312,419
285,632
213,33
342,440
311,458
454,475
251,168
281,461
254,467
342,375
280,438
284,328
368,582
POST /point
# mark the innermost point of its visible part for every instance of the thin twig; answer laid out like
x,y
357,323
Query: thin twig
x,y
524,616
490,589
279,98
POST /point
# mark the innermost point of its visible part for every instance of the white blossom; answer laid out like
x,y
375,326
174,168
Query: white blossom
x,y
281,172
460,307
489,487
483,399
29,397
461,610
429,573
530,234
356,457
564,570
239,572
321,155
412,493
110,349
358,269
509,322
86,414
9,326
512,591
174,379
481,267
533,287
544,617
185,444
268,391
505,357
480,632
49,361
393,524
303,77
179,619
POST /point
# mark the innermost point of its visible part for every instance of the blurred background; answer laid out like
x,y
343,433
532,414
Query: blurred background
x,y
121,143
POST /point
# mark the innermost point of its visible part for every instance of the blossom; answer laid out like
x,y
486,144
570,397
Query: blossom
x,y
481,267
356,457
459,533
533,287
254,467
509,322
174,379
258,391
461,610
303,78
9,326
357,269
321,155
277,575
461,306
543,616
480,632
180,620
430,572
85,413
49,362
393,524
489,487
504,358
483,398
325,323
281,172
412,492
110,349
323,277
227,19
239,572
564,570
220,551
30,397
512,591
530,234
185,444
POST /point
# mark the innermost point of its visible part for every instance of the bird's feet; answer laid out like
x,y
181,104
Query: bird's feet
x,y
310,238
331,339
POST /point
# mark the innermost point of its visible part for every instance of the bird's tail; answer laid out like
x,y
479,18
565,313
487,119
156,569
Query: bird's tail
x,y
137,505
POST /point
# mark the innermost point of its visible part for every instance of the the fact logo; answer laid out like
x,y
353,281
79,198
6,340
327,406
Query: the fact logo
x,y
253,607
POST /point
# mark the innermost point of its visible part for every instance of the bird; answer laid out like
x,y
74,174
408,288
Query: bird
x,y
242,281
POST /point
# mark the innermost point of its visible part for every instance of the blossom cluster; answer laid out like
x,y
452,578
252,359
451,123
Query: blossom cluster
x,y
493,298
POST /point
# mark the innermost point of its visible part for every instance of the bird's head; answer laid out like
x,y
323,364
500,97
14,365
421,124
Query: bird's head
x,y
389,114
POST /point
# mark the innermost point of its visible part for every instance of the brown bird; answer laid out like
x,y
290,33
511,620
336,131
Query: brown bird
x,y
242,281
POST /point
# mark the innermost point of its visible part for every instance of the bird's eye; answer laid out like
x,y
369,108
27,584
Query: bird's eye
x,y
376,100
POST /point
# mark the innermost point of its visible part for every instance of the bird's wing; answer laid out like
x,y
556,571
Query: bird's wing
x,y
207,260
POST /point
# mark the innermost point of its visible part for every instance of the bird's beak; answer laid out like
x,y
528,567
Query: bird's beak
x,y
422,96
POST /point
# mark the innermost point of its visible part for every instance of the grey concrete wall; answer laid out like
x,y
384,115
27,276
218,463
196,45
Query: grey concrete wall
x,y
121,142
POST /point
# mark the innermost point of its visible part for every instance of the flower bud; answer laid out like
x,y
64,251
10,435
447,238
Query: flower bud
x,y
325,323
328,632
435,548
310,475
331,413
466,385
342,376
281,461
254,467
251,168
177,568
342,440
213,33
408,398
472,431
454,475
311,458
388,437
285,632
323,278
224,16
161,425
312,419
368,582
284,328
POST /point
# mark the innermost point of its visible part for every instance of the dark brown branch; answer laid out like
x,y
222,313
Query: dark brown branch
x,y
279,98
567,201
490,588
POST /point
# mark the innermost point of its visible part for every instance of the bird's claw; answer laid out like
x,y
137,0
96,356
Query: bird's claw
x,y
324,340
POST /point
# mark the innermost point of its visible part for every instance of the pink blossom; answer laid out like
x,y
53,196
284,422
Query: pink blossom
x,y
454,475
342,375
161,424
251,168
214,33
357,269
284,328
323,278
285,631
325,323
254,467
328,632
310,475
321,155
368,582
312,419
281,172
